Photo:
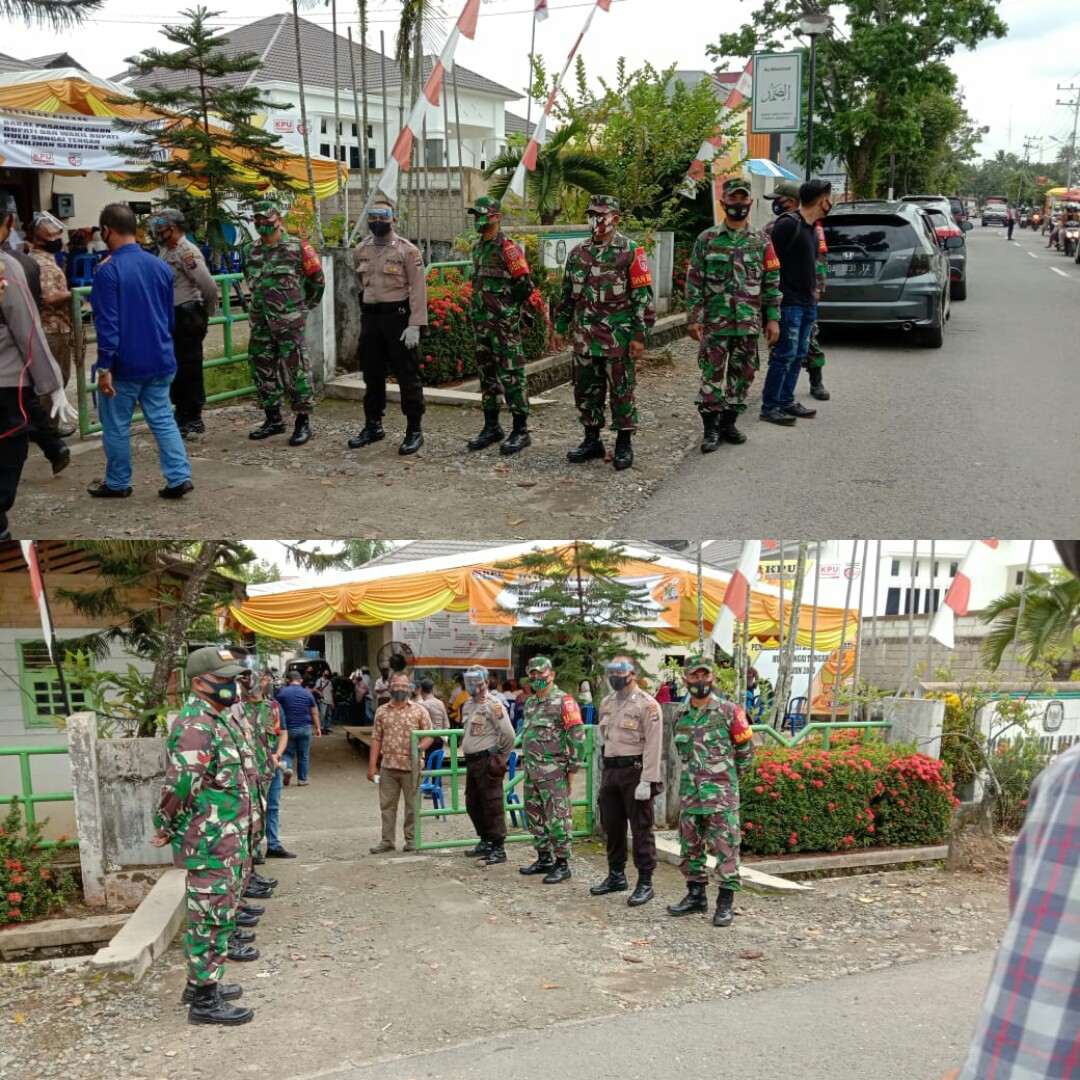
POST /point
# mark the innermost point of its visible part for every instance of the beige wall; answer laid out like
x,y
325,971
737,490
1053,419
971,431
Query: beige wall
x,y
92,192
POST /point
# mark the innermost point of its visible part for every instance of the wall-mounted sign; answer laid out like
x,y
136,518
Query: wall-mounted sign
x,y
776,102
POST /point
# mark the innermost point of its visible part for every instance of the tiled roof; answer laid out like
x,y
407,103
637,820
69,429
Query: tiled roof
x,y
415,550
55,60
12,63
517,125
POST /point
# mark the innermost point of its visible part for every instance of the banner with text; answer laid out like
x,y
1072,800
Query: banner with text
x,y
85,143
449,639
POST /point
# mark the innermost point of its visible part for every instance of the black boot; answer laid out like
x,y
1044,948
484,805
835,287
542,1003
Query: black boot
x,y
817,385
238,952
643,891
728,431
241,937
559,872
372,431
246,920
414,437
724,900
208,1007
544,863
492,431
614,882
623,457
710,441
479,851
695,900
272,425
228,992
496,854
592,446
257,892
519,438
301,430
252,909
266,882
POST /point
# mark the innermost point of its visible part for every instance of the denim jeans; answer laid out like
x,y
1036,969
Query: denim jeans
x,y
299,750
116,414
785,362
273,807
325,719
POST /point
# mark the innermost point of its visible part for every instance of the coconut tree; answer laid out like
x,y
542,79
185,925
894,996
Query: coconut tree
x,y
55,14
303,115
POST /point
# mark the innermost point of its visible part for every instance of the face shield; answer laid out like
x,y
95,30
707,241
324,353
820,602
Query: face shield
x,y
619,673
476,681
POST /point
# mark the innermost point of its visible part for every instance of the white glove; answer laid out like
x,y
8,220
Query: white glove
x,y
643,792
62,410
411,337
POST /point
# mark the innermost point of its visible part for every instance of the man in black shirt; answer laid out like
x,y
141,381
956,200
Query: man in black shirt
x,y
795,241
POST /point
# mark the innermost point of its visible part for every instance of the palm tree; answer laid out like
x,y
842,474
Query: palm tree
x,y
559,167
55,14
303,117
1046,631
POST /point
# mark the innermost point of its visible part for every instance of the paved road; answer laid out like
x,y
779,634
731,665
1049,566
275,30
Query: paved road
x,y
962,440
906,1023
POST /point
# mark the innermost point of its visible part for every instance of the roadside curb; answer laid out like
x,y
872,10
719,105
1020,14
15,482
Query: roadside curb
x,y
668,851
886,857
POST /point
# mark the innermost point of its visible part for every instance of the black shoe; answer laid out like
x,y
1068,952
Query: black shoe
x,y
227,991
592,446
491,433
695,900
246,920
266,882
544,864
279,853
209,1007
643,891
496,855
186,430
817,385
480,850
727,429
519,438
710,441
623,457
177,492
724,915
414,439
196,427
257,892
799,410
258,859
301,430
242,937
372,431
100,490
252,909
272,425
614,882
243,953
778,416
61,461
559,872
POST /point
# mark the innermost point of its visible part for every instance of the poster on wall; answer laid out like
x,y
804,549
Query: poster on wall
x,y
1053,723
77,143
765,658
776,101
448,639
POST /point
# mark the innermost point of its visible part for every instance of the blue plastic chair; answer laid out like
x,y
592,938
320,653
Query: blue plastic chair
x,y
512,795
431,786
795,714
82,268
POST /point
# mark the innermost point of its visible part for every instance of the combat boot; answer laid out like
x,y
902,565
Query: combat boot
x,y
246,920
543,865
496,854
414,437
614,882
479,851
623,457
241,937
724,900
592,446
209,1007
694,901
817,384
491,433
710,441
559,872
519,438
372,431
266,882
242,953
728,431
252,909
257,892
272,425
643,891
228,992
301,430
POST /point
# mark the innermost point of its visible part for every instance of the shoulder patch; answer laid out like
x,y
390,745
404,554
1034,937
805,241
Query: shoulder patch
x,y
189,260
515,259
571,714
309,259
821,245
640,274
772,260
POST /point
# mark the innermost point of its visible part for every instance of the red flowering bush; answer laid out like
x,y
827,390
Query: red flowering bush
x,y
857,795
29,886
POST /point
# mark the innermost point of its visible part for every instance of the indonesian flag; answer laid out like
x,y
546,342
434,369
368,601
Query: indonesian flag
x,y
737,596
979,556
541,10
739,93
37,586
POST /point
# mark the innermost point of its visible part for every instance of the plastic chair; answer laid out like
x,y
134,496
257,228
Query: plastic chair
x,y
795,714
432,785
82,268
512,796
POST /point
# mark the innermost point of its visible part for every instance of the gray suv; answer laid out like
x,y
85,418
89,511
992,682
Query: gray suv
x,y
886,268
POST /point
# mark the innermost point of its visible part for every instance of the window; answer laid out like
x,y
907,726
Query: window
x,y
354,157
937,568
1019,578
322,126
933,600
918,565
353,131
895,572
41,696
344,150
370,131
892,602
324,149
953,569
371,157
908,601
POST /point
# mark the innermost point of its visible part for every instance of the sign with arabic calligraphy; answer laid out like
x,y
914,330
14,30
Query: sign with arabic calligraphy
x,y
776,102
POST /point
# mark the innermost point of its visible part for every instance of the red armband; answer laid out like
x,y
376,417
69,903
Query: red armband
x,y
571,714
741,732
640,274
515,259
309,259
772,260
822,247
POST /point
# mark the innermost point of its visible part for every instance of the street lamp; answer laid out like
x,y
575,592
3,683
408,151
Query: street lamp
x,y
812,26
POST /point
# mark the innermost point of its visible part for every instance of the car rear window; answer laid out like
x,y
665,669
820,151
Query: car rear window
x,y
938,221
957,206
870,234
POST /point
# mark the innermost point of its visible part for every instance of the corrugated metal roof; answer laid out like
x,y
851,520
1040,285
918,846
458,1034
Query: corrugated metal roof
x,y
13,63
517,125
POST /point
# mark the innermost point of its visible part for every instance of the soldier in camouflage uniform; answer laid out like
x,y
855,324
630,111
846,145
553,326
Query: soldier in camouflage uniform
x,y
205,814
606,299
503,297
286,280
715,744
732,285
553,747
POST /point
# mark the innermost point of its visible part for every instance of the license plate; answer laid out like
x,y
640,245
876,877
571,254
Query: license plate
x,y
851,269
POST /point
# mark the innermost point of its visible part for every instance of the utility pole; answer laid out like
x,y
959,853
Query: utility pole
x,y
1075,106
1029,142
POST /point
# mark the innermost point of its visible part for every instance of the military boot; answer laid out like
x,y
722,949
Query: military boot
x,y
479,851
695,900
228,992
592,446
496,854
242,953
301,430
519,438
209,1007
643,891
710,441
724,900
614,882
372,431
543,865
246,920
257,892
241,937
266,882
817,385
492,431
728,431
559,872
414,437
623,457
252,909
272,425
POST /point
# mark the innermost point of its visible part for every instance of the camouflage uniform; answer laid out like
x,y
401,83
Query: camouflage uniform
x,y
715,746
606,298
815,357
241,718
552,743
286,281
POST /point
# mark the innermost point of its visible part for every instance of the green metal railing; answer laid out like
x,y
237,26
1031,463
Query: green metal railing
x,y
29,799
226,319
822,727
454,795
441,267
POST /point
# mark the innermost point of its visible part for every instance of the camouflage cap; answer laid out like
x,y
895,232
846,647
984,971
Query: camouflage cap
x,y
540,663
785,189
604,204
265,208
736,183
696,663
486,204
214,661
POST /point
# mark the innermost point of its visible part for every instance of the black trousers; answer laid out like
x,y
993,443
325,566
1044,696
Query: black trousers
x,y
41,431
188,392
619,808
382,350
484,801
13,448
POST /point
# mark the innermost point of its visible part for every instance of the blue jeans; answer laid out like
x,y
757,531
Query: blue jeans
x,y
788,354
326,719
273,807
116,414
299,749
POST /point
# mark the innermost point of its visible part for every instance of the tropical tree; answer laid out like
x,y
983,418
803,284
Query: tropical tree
x,y
358,552
303,116
561,168
55,14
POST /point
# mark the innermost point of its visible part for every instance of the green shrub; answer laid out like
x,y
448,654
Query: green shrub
x,y
29,885
1015,765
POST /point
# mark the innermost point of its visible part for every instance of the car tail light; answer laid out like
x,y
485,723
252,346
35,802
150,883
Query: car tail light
x,y
945,232
919,265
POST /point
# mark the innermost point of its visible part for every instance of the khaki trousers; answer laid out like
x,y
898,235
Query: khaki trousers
x,y
393,783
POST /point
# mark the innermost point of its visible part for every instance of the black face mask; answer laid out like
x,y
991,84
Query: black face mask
x,y
379,228
618,682
52,246
737,213
398,694
777,207
700,689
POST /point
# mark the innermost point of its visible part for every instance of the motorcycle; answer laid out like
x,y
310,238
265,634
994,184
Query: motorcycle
x,y
1069,237
1036,221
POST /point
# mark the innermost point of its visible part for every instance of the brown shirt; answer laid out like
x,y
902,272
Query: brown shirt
x,y
437,711
393,726
486,726
55,318
631,725
192,279
390,271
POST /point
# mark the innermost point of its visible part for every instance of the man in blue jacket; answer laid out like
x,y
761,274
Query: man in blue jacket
x,y
132,300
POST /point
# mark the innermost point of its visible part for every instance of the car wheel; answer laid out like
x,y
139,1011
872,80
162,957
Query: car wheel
x,y
933,337
958,290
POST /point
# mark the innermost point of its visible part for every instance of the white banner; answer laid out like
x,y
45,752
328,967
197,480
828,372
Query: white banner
x,y
776,103
448,639
69,142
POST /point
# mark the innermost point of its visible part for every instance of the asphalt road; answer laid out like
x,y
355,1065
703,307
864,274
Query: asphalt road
x,y
907,1023
961,440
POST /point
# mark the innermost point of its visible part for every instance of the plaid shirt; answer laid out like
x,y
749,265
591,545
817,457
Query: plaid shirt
x,y
1030,1023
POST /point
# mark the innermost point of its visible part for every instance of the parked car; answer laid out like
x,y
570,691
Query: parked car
x,y
886,268
945,229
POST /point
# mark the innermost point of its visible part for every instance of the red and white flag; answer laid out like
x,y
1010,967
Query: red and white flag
x,y
541,10
37,586
736,603
979,557
697,172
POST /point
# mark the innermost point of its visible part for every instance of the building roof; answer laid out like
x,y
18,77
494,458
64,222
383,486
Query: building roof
x,y
12,63
517,125
55,60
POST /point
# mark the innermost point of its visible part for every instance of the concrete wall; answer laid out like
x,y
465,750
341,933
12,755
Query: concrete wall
x,y
346,301
916,720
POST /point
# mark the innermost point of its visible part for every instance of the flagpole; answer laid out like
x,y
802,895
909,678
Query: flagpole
x,y
47,623
528,119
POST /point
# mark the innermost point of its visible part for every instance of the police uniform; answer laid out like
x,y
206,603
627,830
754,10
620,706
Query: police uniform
x,y
487,740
